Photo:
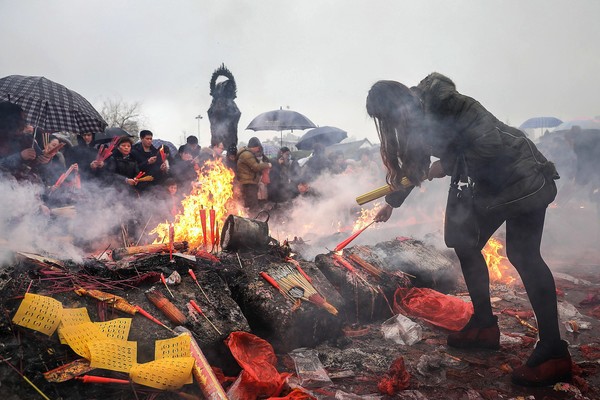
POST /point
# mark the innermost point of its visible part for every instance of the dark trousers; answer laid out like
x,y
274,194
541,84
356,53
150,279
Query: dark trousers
x,y
523,239
250,197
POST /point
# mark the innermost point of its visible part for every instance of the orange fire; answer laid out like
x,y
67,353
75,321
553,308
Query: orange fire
x,y
213,191
498,265
366,216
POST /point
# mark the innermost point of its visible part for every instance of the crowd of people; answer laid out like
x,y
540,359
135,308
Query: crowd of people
x,y
132,172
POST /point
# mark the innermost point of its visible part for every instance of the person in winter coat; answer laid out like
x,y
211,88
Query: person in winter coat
x,y
280,188
84,155
149,161
121,169
249,173
20,154
513,184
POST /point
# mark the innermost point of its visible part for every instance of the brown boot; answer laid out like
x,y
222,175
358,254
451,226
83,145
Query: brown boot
x,y
476,335
548,364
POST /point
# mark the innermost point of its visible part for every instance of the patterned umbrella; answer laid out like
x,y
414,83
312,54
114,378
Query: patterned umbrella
x,y
51,106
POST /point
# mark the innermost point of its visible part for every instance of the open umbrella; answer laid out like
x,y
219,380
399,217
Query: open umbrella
x,y
50,105
280,120
160,142
109,133
582,123
326,135
540,122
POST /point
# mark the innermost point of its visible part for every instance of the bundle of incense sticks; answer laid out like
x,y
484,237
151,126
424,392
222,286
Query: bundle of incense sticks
x,y
165,306
105,152
292,282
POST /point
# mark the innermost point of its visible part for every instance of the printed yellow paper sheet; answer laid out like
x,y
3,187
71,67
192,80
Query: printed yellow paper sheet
x,y
78,337
40,313
113,354
164,374
172,348
72,316
117,328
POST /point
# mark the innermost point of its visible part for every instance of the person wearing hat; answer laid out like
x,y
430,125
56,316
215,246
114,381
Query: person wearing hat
x,y
249,172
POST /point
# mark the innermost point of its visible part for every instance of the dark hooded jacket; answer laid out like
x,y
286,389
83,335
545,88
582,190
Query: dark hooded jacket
x,y
509,172
82,154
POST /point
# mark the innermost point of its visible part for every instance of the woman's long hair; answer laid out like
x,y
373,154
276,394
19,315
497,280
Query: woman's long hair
x,y
400,124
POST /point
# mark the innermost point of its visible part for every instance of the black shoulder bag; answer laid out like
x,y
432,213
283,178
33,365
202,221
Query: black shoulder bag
x,y
461,228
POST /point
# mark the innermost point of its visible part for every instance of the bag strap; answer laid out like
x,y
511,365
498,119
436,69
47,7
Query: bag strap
x,y
461,171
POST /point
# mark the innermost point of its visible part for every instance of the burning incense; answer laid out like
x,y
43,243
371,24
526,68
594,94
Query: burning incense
x,y
197,283
203,222
161,151
105,152
121,252
274,283
151,318
212,215
62,178
197,308
298,287
171,240
164,281
345,243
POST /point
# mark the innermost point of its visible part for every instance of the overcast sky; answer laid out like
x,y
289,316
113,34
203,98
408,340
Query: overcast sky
x,y
520,59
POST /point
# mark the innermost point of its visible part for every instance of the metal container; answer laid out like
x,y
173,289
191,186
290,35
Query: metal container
x,y
241,233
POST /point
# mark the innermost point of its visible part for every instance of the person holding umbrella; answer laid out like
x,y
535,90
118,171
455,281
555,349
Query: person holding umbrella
x,y
19,153
513,183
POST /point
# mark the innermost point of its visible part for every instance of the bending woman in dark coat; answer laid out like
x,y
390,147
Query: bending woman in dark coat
x,y
513,183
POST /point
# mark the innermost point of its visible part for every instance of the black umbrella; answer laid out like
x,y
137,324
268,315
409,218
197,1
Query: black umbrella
x,y
50,105
109,133
326,135
280,120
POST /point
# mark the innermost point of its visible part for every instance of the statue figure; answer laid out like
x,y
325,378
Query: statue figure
x,y
223,113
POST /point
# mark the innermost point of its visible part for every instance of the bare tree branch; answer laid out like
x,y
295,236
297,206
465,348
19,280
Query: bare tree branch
x,y
121,114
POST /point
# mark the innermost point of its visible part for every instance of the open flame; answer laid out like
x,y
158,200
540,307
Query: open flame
x,y
366,216
204,210
498,265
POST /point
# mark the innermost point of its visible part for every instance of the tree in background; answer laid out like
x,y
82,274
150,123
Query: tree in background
x,y
121,114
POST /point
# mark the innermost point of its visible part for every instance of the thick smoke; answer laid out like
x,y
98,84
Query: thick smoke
x,y
92,226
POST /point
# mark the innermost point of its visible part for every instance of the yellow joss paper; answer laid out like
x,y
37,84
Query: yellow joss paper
x,y
164,374
113,354
117,328
79,336
72,316
40,313
172,348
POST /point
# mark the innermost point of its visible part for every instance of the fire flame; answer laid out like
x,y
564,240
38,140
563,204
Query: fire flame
x,y
212,191
498,265
366,216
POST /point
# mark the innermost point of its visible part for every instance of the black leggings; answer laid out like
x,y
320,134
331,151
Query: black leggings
x,y
523,239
